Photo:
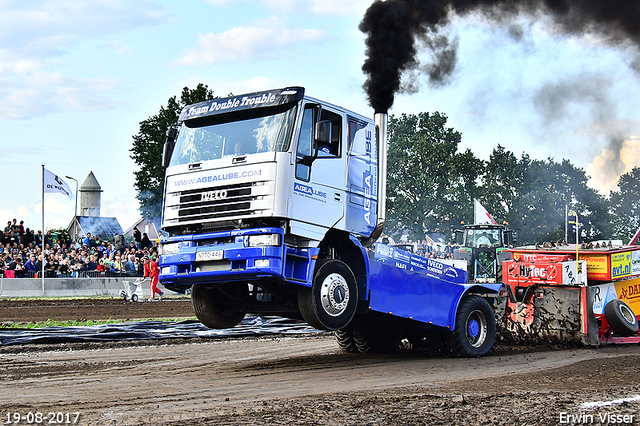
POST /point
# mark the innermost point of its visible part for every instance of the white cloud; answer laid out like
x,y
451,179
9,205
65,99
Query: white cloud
x,y
35,36
264,40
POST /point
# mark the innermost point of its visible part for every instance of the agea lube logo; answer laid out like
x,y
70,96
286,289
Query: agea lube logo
x,y
309,192
367,181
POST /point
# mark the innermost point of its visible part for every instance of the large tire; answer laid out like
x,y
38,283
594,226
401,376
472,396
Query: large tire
x,y
331,301
219,307
371,334
621,318
345,340
475,328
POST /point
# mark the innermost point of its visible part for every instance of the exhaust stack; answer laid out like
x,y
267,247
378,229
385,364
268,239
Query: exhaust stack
x,y
381,119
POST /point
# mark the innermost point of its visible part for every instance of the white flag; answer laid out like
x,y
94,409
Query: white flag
x,y
53,183
481,214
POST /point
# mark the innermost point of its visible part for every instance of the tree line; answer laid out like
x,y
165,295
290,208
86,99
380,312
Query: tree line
x,y
431,184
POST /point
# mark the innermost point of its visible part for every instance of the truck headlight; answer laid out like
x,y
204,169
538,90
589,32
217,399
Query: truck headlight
x,y
263,240
171,248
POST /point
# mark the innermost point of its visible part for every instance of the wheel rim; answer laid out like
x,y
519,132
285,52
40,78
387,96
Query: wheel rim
x,y
627,314
476,329
334,294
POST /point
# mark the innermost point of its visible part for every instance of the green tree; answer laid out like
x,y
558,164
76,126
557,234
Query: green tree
x,y
531,196
430,185
625,206
147,149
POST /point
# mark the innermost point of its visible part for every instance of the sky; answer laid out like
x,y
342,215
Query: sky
x,y
77,78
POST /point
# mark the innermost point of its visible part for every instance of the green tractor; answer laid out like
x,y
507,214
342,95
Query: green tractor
x,y
483,247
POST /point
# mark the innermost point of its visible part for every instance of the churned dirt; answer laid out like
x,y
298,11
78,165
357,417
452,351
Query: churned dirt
x,y
307,380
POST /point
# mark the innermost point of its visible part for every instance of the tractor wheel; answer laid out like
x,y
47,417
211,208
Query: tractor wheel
x,y
621,318
331,301
475,328
221,306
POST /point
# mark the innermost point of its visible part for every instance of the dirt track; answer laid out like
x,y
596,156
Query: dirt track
x,y
307,381
39,310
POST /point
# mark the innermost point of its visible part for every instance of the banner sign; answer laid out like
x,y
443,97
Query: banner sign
x,y
413,262
516,273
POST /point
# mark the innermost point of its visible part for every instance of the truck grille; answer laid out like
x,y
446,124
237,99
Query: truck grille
x,y
218,202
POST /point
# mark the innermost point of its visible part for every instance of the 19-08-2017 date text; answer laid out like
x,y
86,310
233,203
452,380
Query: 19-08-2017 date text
x,y
37,418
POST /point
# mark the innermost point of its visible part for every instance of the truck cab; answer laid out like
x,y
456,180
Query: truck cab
x,y
258,189
483,247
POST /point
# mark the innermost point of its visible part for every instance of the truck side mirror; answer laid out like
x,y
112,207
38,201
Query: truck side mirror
x,y
322,136
169,144
323,132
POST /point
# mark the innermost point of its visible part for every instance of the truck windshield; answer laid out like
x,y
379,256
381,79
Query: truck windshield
x,y
483,238
261,134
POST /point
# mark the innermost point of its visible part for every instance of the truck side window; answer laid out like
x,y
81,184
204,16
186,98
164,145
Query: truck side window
x,y
334,148
305,145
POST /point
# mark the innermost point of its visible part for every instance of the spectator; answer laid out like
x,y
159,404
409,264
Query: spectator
x,y
118,242
87,240
64,270
30,264
145,243
137,237
21,232
151,270
130,267
20,272
51,267
48,239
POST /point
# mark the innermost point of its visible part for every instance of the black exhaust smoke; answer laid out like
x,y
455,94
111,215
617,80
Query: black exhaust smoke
x,y
393,27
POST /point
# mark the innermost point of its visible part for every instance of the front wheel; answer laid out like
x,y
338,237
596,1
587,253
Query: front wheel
x,y
221,306
475,328
331,301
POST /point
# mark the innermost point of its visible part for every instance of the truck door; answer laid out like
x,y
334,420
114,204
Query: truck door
x,y
319,188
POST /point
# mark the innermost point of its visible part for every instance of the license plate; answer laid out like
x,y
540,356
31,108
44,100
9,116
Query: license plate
x,y
209,255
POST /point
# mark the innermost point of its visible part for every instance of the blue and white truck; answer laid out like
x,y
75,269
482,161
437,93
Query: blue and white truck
x,y
273,202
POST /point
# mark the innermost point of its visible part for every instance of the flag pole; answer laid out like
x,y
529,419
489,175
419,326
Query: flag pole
x,y
566,223
43,234
577,244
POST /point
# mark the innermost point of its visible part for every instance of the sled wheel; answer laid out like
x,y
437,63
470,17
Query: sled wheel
x,y
221,306
621,318
134,297
345,340
331,301
475,328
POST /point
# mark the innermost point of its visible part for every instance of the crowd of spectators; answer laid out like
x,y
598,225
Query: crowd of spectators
x,y
424,248
22,255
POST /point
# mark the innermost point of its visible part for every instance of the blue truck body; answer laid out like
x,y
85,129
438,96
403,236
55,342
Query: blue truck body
x,y
261,219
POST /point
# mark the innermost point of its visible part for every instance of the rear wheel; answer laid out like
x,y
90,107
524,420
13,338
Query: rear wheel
x,y
345,339
221,306
621,318
475,328
373,334
331,301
